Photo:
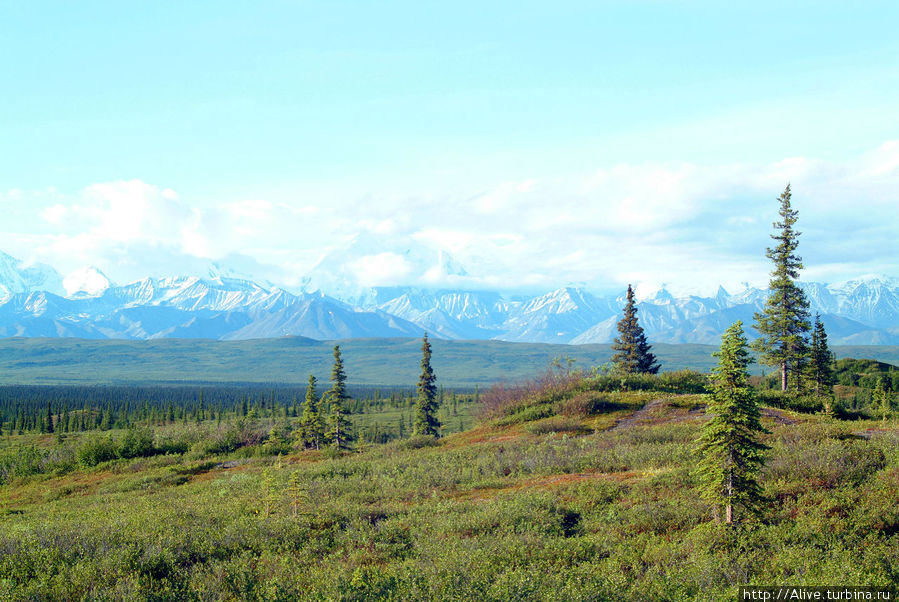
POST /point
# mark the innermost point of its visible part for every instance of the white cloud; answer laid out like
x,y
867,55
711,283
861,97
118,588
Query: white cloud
x,y
381,269
690,225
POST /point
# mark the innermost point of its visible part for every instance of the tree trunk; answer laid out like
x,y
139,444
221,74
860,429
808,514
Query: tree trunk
x,y
783,376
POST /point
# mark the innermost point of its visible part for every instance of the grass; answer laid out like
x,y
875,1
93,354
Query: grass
x,y
595,504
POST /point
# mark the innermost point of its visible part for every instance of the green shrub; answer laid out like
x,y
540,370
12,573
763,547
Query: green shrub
x,y
679,381
419,441
556,424
790,400
97,449
223,441
136,443
588,403
684,381
175,441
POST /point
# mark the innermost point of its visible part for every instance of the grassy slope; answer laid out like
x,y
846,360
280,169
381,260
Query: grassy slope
x,y
495,513
292,359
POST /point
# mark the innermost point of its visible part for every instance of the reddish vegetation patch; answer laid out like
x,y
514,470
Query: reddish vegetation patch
x,y
215,473
485,434
658,411
870,432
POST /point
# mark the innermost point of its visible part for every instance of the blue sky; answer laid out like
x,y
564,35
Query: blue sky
x,y
276,131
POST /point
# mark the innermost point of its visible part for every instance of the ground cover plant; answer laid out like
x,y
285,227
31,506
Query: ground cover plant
x,y
571,487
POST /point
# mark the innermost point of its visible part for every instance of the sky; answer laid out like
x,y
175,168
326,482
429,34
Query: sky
x,y
540,144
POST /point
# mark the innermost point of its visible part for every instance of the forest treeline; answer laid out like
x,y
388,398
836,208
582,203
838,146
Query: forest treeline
x,y
72,408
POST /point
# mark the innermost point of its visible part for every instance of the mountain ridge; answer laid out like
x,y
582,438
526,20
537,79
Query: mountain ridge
x,y
33,302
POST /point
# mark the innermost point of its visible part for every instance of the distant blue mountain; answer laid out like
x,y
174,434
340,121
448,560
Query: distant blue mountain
x,y
863,311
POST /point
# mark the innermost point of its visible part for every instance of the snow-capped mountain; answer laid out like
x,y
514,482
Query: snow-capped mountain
x,y
18,277
35,301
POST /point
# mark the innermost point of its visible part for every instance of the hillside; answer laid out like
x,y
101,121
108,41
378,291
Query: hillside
x,y
566,493
290,360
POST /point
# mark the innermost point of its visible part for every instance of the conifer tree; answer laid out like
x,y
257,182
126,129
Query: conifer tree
x,y
633,356
295,492
339,433
338,426
731,454
311,428
338,377
426,422
783,325
820,364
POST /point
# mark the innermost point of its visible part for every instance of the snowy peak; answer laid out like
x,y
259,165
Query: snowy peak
x,y
864,284
18,277
564,300
86,282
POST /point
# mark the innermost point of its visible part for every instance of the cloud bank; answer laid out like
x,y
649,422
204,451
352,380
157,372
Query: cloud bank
x,y
690,226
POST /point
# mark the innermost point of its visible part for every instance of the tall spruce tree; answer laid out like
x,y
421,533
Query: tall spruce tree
x,y
338,377
820,368
731,454
633,356
339,427
783,326
311,427
426,422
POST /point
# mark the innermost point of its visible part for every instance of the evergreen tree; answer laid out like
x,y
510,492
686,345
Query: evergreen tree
x,y
338,426
296,493
783,326
49,418
311,428
633,356
821,359
338,377
731,454
426,422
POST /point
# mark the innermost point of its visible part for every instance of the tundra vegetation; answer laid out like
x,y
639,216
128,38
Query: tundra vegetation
x,y
575,485
608,484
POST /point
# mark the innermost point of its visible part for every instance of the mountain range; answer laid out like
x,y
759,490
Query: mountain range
x,y
35,301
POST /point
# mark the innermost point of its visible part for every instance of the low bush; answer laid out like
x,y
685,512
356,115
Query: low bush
x,y
503,399
790,400
588,403
222,441
419,441
679,381
97,449
556,424
137,443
